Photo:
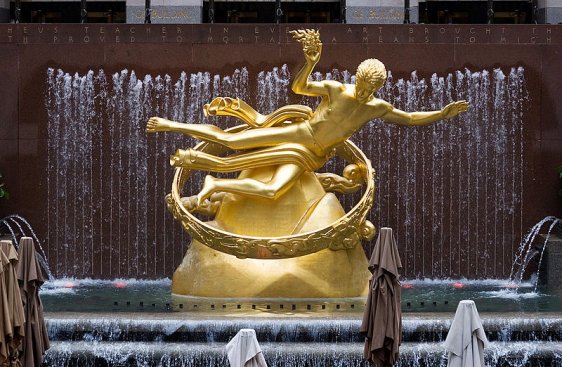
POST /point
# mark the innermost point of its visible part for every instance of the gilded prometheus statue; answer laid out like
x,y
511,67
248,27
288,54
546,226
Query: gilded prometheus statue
x,y
290,142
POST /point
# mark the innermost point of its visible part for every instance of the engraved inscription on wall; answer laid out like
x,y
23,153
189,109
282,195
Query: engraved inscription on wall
x,y
271,34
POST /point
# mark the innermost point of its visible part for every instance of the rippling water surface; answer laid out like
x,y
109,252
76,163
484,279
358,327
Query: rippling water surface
x,y
131,295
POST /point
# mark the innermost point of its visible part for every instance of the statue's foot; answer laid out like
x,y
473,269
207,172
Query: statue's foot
x,y
209,187
157,124
176,159
190,203
184,157
208,207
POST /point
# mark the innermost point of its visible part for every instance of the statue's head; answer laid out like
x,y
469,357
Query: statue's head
x,y
370,77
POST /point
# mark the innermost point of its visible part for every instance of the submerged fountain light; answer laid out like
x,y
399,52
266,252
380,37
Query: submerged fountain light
x,y
120,284
407,285
69,285
458,285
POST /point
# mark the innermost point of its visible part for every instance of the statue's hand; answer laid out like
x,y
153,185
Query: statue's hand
x,y
454,108
156,124
311,44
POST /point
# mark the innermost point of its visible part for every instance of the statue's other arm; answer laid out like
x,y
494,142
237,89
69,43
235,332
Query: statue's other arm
x,y
400,117
312,48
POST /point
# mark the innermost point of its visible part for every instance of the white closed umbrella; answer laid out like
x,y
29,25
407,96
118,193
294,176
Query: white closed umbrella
x,y
244,350
466,339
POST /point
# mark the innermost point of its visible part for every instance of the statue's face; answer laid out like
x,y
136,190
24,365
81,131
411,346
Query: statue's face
x,y
363,91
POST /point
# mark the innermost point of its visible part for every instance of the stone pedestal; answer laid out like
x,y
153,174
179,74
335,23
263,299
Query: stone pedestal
x,y
306,207
208,273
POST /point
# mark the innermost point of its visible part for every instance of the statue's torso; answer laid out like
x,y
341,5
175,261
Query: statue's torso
x,y
339,116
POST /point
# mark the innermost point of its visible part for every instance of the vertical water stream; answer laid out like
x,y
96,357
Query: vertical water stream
x,y
451,191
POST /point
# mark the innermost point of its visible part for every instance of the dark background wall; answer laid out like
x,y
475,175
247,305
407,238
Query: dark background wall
x,y
28,51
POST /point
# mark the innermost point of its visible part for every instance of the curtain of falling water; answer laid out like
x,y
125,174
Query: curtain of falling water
x,y
107,181
454,195
452,191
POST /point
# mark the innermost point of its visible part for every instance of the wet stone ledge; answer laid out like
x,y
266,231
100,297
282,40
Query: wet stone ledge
x,y
87,354
269,330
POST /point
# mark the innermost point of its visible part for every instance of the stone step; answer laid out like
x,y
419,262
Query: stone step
x,y
129,354
415,329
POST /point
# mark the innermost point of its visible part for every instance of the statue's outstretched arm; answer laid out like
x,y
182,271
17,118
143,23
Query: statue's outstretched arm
x,y
400,117
312,48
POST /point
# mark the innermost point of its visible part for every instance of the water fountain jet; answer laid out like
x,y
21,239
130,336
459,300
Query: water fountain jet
x,y
528,250
19,227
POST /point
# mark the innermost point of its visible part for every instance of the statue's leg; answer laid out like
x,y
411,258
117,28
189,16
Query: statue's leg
x,y
283,179
205,132
269,156
247,139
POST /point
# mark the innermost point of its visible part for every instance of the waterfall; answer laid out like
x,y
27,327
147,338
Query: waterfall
x,y
452,191
287,342
454,195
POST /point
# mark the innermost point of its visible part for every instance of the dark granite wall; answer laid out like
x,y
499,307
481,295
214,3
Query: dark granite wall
x,y
28,51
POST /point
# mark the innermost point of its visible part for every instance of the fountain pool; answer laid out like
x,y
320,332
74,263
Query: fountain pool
x,y
130,295
463,187
133,323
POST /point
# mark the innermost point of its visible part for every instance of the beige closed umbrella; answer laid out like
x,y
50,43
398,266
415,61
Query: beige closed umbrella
x,y
466,339
12,315
244,350
30,279
382,318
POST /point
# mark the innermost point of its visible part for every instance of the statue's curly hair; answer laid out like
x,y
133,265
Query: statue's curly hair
x,y
372,71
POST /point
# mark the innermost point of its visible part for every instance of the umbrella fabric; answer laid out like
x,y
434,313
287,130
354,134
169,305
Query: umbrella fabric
x,y
5,317
382,319
12,316
30,279
466,339
244,350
